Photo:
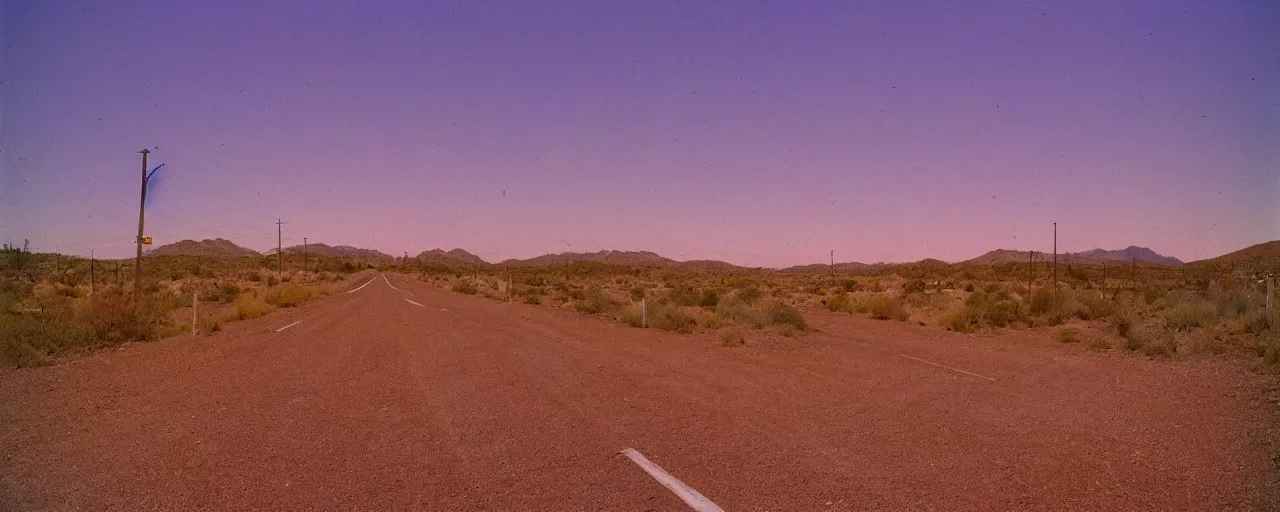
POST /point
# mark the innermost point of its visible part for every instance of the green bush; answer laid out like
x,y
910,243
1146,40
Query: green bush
x,y
841,303
959,319
1001,313
228,292
464,286
749,294
594,301
883,307
781,313
670,318
1190,314
1041,301
914,286
709,299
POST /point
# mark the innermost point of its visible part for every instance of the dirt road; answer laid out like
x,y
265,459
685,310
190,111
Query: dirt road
x,y
398,396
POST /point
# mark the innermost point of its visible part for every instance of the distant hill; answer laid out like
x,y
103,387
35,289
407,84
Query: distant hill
x,y
621,258
341,251
825,267
215,248
625,258
1093,257
1263,255
453,256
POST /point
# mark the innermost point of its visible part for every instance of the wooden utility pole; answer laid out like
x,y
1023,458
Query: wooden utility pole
x,y
1055,262
142,203
1031,255
92,277
279,247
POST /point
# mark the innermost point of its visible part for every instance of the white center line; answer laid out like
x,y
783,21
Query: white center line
x,y
691,497
412,302
384,278
362,286
288,326
947,367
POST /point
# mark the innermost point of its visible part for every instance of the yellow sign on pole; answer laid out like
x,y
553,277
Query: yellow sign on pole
x,y
146,240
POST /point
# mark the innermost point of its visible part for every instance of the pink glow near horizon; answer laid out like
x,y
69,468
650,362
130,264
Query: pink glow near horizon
x,y
762,135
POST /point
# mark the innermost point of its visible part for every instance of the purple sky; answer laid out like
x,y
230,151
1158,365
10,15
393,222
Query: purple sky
x,y
756,133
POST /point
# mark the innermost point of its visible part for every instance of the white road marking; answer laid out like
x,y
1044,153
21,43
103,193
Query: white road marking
x,y
691,497
947,367
412,302
288,326
384,278
362,286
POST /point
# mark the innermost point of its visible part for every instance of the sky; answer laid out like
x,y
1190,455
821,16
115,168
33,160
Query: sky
x,y
758,133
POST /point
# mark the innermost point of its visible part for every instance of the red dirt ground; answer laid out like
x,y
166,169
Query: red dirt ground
x,y
469,404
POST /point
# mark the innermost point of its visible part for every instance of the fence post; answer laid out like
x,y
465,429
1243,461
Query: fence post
x,y
195,302
644,315
1271,319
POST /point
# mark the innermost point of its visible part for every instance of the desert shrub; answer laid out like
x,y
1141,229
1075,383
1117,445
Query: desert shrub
x,y
1041,301
228,292
877,286
1190,314
1100,344
464,286
991,288
1123,323
113,319
1069,335
29,340
1150,294
1255,321
814,289
255,277
250,305
1271,352
732,338
670,318
780,314
959,319
883,307
594,301
849,285
681,296
841,303
749,294
631,315
709,299
533,299
968,287
637,293
1235,304
914,286
288,296
1152,341
735,310
787,330
1001,312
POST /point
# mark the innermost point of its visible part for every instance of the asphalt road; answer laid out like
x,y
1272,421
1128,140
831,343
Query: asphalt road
x,y
397,396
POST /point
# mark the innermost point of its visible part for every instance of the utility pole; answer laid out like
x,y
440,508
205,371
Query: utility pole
x,y
279,247
1030,271
304,253
92,278
1055,262
142,203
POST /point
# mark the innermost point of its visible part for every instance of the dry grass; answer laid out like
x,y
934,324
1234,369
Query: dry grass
x,y
884,307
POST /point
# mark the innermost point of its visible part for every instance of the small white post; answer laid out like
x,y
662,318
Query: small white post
x,y
1271,320
644,315
195,302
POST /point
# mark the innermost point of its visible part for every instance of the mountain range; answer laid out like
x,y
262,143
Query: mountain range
x,y
1261,254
